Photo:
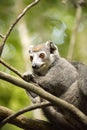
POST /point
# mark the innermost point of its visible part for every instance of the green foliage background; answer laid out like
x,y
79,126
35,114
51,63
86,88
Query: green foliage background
x,y
49,20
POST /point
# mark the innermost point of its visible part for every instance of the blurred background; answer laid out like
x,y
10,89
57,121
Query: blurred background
x,y
48,20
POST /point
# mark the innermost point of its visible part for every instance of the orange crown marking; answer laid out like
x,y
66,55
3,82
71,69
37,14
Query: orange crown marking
x,y
38,48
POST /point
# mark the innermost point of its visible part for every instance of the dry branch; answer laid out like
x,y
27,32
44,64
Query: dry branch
x,y
25,123
16,21
27,109
74,113
1,36
11,68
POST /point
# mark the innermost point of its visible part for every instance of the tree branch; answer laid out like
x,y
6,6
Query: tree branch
x,y
16,21
23,122
74,31
27,109
1,36
11,68
73,112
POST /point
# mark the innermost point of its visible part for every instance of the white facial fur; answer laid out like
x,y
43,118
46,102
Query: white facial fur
x,y
41,64
37,60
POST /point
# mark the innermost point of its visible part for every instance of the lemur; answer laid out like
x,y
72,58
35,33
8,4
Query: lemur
x,y
58,76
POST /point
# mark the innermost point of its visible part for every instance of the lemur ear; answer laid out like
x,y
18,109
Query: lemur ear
x,y
52,47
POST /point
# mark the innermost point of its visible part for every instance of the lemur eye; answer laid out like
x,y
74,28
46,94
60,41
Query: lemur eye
x,y
42,55
31,58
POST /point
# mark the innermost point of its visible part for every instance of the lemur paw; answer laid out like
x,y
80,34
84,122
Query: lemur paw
x,y
28,76
36,100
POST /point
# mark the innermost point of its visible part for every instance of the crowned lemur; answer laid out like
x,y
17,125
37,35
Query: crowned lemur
x,y
58,76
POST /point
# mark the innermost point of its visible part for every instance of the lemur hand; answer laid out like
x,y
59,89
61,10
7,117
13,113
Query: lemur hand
x,y
28,76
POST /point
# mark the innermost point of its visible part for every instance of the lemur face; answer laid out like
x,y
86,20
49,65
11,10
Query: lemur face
x,y
41,56
38,59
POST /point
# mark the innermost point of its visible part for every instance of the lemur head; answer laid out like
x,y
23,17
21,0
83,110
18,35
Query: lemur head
x,y
42,56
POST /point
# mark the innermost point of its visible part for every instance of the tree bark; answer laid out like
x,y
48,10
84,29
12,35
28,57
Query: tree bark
x,y
25,123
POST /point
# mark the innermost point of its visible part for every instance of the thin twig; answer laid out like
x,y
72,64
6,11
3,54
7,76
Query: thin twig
x,y
16,21
1,36
27,109
74,32
11,68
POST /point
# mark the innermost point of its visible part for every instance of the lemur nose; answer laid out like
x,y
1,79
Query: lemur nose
x,y
34,66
